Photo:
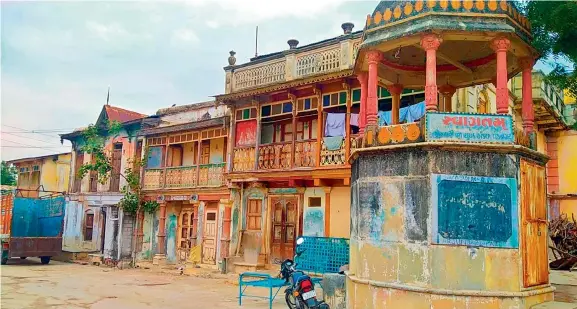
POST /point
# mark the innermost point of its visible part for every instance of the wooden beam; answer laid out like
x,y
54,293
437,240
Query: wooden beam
x,y
346,181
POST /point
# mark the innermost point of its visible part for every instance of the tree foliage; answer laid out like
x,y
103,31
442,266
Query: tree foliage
x,y
94,143
554,27
9,174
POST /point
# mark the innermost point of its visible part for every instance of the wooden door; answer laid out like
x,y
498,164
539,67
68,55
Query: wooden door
x,y
116,163
209,236
78,163
284,218
205,152
534,224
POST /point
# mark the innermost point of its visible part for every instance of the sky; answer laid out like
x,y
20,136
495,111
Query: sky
x,y
58,58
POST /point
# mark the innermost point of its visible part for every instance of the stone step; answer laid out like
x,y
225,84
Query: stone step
x,y
555,305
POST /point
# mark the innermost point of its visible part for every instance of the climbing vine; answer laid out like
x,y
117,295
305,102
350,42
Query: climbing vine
x,y
94,144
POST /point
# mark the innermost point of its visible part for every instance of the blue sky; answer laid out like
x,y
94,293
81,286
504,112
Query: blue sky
x,y
58,58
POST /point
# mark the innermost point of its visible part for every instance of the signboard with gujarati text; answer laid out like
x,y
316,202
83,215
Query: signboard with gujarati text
x,y
470,128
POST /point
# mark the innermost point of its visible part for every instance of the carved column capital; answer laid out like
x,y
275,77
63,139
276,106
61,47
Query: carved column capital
x,y
374,56
363,77
395,89
500,44
431,42
526,63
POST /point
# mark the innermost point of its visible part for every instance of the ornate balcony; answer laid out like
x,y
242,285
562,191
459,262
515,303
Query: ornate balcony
x,y
209,175
305,153
275,156
331,56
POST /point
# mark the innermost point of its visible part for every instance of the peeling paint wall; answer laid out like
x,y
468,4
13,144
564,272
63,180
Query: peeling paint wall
x,y
392,256
148,235
314,217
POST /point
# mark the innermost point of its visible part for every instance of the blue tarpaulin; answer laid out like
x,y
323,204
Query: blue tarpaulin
x,y
32,217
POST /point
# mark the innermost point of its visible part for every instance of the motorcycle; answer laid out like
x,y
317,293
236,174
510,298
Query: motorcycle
x,y
300,294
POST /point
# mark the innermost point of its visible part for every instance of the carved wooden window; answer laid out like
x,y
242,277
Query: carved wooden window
x,y
356,96
335,99
245,114
276,109
254,215
307,104
88,225
187,228
306,129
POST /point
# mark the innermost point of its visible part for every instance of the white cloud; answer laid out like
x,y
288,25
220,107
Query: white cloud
x,y
212,24
106,32
185,36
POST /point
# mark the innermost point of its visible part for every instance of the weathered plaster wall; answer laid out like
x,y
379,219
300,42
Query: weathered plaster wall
x,y
340,225
192,116
54,174
236,219
111,234
217,150
73,234
172,213
189,153
148,235
391,233
314,217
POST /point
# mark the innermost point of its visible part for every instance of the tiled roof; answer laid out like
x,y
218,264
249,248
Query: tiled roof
x,y
121,115
220,121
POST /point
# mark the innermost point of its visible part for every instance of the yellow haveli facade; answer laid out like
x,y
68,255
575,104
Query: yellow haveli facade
x,y
48,173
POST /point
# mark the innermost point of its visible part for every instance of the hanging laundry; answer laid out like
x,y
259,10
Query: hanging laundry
x,y
385,118
335,125
415,112
354,120
333,142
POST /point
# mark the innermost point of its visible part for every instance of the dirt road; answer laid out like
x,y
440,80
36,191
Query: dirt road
x,y
28,284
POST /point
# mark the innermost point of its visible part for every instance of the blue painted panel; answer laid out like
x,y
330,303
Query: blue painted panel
x,y
470,128
323,254
154,157
37,217
314,222
475,211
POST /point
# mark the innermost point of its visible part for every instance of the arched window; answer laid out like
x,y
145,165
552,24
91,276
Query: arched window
x,y
88,225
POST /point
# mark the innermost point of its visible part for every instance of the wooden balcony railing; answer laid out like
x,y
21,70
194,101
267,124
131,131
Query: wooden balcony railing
x,y
209,175
275,156
243,159
333,157
306,153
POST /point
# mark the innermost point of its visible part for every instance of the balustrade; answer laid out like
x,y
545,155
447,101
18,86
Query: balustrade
x,y
210,175
243,159
181,177
261,75
275,156
153,178
319,62
305,153
333,157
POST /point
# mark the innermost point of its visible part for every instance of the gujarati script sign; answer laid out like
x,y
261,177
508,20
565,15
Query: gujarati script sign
x,y
470,128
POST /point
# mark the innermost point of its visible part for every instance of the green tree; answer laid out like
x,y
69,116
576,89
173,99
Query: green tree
x,y
554,27
9,174
94,140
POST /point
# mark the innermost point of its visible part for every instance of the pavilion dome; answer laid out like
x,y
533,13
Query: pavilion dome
x,y
466,28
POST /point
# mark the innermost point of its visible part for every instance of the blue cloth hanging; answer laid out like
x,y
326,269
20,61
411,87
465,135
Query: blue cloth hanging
x,y
333,142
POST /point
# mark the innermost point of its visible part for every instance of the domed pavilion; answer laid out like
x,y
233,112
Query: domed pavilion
x,y
448,211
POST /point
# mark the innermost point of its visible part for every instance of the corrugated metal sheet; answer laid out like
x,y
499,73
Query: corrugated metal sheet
x,y
534,224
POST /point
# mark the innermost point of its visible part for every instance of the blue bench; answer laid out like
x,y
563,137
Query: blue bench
x,y
322,255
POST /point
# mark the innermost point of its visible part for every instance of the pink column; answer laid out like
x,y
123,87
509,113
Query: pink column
x,y
527,107
373,58
363,79
500,46
430,43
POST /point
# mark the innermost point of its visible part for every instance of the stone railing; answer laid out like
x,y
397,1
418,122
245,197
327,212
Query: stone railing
x,y
275,156
210,175
318,62
294,64
259,76
305,153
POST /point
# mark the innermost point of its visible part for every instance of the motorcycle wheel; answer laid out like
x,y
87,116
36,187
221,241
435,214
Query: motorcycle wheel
x,y
290,299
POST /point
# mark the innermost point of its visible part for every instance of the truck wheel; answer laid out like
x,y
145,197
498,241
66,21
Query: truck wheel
x,y
45,259
4,261
22,257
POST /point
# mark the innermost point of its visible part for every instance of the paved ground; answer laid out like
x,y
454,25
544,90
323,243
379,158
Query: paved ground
x,y
28,284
